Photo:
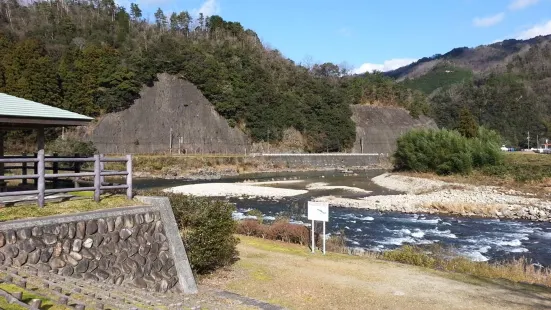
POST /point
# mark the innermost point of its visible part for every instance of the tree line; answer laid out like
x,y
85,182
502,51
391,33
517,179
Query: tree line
x,y
93,57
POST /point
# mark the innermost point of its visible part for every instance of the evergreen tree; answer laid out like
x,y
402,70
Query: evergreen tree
x,y
468,126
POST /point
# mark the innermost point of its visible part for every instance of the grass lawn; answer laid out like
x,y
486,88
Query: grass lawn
x,y
67,207
290,276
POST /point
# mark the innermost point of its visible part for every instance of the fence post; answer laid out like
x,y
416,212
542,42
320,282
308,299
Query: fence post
x,y
35,169
55,170
97,178
77,170
129,176
41,185
24,170
101,168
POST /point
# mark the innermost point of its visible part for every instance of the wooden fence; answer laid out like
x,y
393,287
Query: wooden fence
x,y
39,175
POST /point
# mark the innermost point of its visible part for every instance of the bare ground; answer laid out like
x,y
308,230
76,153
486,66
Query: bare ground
x,y
290,276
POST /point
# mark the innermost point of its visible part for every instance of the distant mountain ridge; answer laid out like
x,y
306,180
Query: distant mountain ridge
x,y
506,86
478,59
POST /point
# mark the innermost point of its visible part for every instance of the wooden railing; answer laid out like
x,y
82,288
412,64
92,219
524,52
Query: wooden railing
x,y
40,176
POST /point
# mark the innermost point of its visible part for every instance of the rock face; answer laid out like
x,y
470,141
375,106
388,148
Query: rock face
x,y
170,103
117,256
377,128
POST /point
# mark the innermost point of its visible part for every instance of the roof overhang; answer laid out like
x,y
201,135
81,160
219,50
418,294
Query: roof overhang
x,y
10,122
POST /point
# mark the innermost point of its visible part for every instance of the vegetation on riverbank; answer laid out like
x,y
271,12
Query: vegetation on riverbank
x,y
433,256
523,171
447,152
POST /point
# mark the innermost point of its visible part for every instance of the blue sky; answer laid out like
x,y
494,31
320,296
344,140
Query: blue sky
x,y
373,34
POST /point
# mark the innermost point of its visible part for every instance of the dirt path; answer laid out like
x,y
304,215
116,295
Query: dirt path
x,y
291,277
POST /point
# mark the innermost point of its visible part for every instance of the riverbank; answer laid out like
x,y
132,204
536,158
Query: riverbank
x,y
290,276
420,195
215,167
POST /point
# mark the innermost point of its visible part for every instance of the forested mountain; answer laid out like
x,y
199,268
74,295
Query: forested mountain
x,y
506,86
93,57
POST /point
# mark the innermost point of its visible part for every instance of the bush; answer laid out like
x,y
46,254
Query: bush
x,y
280,230
207,229
70,147
446,152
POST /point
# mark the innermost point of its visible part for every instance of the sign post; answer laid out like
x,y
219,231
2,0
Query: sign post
x,y
318,211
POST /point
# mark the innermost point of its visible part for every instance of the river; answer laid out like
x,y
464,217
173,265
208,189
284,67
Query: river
x,y
478,239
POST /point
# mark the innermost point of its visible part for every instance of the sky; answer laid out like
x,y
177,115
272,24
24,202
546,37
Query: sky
x,y
369,35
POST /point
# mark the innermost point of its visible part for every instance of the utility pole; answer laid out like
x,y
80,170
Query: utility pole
x,y
538,141
528,140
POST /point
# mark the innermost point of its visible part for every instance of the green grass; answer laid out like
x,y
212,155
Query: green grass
x,y
67,207
27,297
440,76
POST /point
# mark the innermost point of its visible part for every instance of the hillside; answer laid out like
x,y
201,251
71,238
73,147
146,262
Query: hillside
x,y
505,86
94,57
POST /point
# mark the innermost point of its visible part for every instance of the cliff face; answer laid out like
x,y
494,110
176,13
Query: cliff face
x,y
378,128
172,103
176,104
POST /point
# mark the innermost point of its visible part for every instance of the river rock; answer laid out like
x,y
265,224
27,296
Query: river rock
x,y
34,256
92,265
91,227
57,263
21,258
125,233
140,282
77,256
11,237
46,255
88,243
67,244
36,231
81,230
77,245
119,223
49,239
27,245
63,231
149,217
138,219
67,271
24,233
102,226
82,266
72,230
128,221
102,274
89,276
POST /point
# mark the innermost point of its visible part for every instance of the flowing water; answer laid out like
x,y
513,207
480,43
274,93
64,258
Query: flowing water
x,y
478,239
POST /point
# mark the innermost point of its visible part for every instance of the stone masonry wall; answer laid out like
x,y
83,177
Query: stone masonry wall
x,y
126,248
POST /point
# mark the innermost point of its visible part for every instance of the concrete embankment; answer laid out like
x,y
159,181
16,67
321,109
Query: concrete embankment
x,y
216,167
429,196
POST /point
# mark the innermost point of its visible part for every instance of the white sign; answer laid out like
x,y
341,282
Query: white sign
x,y
318,211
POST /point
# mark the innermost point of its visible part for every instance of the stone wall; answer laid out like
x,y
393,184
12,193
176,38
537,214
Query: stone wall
x,y
123,246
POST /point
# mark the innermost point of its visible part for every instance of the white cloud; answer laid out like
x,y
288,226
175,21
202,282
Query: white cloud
x,y
489,20
387,65
521,4
209,8
537,30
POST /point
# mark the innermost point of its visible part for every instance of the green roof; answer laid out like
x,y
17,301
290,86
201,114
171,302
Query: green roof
x,y
11,106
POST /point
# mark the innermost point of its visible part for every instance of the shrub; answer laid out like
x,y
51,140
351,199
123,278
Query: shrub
x,y
70,147
280,230
446,152
207,229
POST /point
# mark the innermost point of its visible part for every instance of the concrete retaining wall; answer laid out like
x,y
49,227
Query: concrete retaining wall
x,y
325,160
136,246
